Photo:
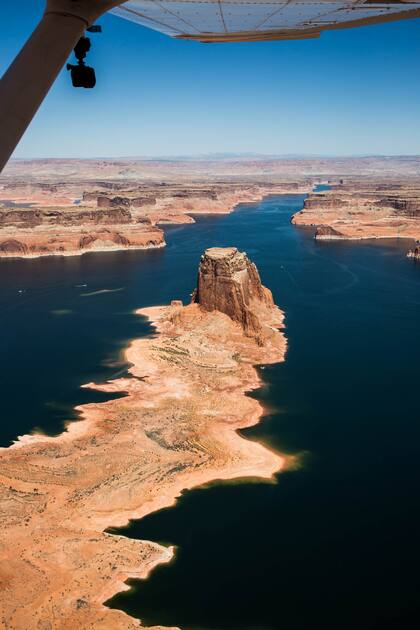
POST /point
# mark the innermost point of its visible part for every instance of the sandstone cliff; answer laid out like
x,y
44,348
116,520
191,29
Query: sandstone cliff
x,y
362,209
328,233
230,283
40,218
70,241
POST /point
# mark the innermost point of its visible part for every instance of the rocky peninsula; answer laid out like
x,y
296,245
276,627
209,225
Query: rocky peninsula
x,y
364,209
175,428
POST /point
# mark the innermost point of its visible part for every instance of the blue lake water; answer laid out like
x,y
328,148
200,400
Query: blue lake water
x,y
335,543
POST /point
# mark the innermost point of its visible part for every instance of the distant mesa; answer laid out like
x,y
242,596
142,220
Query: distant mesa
x,y
72,217
364,208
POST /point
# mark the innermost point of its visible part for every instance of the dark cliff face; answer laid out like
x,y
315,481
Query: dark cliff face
x,y
229,282
13,246
127,202
405,202
30,218
319,201
188,194
409,206
113,202
326,232
111,217
20,217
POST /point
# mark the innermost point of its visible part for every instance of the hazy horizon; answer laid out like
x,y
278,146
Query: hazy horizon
x,y
220,156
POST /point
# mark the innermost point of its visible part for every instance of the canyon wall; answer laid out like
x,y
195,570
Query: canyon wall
x,y
40,218
363,209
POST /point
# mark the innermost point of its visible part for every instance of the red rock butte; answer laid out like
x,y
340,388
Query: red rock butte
x,y
230,283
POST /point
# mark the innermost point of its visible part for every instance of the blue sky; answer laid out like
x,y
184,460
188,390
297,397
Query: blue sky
x,y
350,92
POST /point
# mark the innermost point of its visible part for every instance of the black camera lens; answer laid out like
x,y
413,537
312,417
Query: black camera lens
x,y
82,76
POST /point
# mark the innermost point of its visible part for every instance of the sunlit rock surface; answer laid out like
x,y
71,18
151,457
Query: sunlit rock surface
x,y
230,283
363,209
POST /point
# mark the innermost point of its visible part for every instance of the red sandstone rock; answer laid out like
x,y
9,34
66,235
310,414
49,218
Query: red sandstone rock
x,y
76,240
327,233
12,246
365,208
229,282
81,212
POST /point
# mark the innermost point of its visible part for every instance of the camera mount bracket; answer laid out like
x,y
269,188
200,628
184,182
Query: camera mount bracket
x,y
83,76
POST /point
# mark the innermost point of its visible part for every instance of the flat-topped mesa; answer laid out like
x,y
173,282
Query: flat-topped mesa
x,y
229,282
364,208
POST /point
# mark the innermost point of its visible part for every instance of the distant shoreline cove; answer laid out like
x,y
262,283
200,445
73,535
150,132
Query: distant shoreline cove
x,y
164,244
83,251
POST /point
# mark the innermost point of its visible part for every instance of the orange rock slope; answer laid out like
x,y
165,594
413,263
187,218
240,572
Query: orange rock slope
x,y
364,209
176,428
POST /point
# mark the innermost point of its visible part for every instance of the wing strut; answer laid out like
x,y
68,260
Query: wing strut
x,y
30,77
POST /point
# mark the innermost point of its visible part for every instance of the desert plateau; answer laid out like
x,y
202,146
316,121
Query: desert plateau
x,y
365,209
69,207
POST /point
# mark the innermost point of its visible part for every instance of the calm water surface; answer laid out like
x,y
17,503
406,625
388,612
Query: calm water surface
x,y
335,543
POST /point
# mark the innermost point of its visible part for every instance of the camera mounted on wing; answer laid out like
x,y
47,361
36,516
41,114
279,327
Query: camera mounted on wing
x,y
83,76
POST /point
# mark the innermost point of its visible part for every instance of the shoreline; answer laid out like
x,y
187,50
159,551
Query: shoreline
x,y
379,237
249,459
70,253
364,209
152,315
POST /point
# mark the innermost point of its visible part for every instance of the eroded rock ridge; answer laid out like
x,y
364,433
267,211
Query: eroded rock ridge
x,y
230,283
364,209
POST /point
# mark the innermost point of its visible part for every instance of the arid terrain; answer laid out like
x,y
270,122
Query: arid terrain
x,y
197,169
174,429
185,393
69,207
96,206
363,209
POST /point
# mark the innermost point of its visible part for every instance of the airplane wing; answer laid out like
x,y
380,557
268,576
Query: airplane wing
x,y
258,20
